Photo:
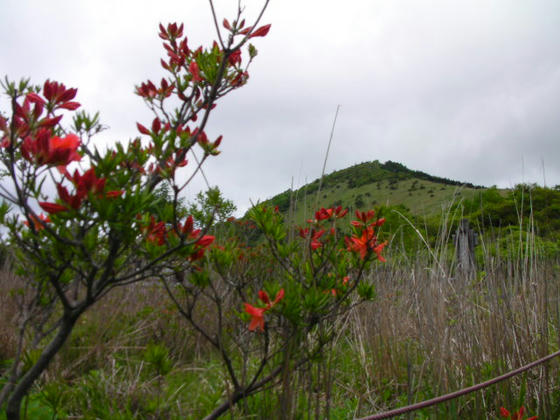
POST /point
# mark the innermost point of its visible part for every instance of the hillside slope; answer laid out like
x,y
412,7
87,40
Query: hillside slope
x,y
370,184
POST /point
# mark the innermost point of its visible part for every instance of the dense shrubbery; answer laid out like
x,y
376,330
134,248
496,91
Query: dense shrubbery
x,y
525,203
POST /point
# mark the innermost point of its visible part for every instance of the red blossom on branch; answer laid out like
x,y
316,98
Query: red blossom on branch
x,y
47,150
57,94
257,317
365,243
88,182
257,314
315,235
235,58
74,201
36,221
324,214
195,71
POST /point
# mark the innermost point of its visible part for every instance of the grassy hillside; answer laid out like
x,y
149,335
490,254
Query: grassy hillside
x,y
373,184
526,209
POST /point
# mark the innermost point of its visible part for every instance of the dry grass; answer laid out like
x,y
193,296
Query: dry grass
x,y
429,332
9,313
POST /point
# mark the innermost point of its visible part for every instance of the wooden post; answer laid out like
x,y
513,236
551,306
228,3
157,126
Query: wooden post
x,y
465,241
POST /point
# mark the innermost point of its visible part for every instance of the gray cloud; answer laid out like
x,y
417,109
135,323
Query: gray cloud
x,y
465,90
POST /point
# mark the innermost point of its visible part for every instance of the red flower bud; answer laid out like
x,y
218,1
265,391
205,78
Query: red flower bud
x,y
142,129
114,193
36,99
50,122
52,208
194,70
162,32
235,58
70,106
263,296
156,126
262,31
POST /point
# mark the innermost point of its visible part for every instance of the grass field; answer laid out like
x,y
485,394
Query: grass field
x,y
428,332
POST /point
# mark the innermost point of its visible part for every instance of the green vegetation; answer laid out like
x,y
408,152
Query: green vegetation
x,y
413,198
376,184
428,331
424,335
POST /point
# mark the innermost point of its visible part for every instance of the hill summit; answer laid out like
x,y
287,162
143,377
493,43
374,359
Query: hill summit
x,y
370,184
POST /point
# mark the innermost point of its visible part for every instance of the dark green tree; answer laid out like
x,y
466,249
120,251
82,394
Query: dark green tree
x,y
211,205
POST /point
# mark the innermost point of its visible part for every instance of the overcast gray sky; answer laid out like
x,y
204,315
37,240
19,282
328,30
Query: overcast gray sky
x,y
468,90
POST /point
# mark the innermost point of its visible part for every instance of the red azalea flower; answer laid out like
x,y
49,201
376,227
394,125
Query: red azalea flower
x,y
515,416
315,243
257,314
36,221
367,241
263,296
205,241
74,201
365,217
146,90
187,227
323,214
257,317
56,93
235,58
55,151
377,249
359,245
88,182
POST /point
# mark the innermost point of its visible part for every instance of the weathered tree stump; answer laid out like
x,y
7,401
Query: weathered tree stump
x,y
465,241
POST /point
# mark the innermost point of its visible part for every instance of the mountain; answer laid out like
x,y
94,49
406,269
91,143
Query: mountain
x,y
372,184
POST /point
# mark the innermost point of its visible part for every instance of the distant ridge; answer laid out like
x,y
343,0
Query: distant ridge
x,y
385,182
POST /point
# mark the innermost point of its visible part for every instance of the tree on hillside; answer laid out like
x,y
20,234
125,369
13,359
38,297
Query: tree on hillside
x,y
211,205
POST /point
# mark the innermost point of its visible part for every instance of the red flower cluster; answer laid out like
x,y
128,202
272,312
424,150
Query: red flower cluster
x,y
36,221
364,240
149,90
60,97
257,313
46,150
157,233
210,148
345,281
84,184
336,212
315,235
27,119
515,416
240,29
